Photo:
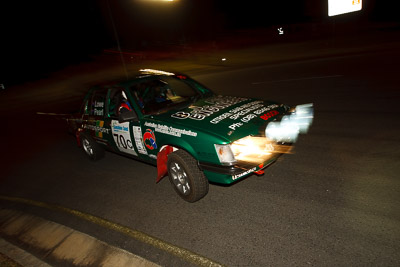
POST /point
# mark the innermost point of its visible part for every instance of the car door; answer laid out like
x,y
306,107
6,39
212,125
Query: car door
x,y
125,134
94,120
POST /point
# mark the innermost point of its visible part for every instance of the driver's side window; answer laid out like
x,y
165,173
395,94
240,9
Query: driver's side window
x,y
113,102
97,104
151,95
118,103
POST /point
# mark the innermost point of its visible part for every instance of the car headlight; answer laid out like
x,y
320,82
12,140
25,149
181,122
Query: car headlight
x,y
252,149
225,154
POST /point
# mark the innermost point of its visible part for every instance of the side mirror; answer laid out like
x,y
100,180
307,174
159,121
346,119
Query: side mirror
x,y
127,116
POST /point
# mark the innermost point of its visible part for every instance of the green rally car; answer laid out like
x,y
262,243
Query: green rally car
x,y
189,133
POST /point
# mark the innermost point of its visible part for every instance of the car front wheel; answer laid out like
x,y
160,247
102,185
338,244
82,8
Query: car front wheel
x,y
185,176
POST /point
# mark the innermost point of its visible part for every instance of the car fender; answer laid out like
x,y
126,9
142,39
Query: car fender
x,y
78,136
162,158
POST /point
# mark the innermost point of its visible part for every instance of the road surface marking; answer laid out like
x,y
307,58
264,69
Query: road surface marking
x,y
52,114
300,79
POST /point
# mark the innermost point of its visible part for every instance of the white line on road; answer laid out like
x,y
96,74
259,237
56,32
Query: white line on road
x,y
52,114
300,79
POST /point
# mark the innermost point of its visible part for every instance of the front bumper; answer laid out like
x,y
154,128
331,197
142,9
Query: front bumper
x,y
230,174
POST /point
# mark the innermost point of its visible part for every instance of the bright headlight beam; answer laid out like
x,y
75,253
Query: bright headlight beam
x,y
258,149
250,149
289,128
253,149
287,132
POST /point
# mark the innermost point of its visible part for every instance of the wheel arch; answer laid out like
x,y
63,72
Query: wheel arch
x,y
165,150
186,178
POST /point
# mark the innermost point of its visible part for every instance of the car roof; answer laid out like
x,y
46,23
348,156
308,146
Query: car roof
x,y
144,74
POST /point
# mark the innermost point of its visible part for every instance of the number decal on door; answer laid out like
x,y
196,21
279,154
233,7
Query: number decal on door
x,y
122,137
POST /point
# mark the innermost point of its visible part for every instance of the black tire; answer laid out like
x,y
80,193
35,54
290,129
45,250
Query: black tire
x,y
92,149
185,176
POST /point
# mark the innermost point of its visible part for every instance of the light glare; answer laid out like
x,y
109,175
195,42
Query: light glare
x,y
149,1
256,149
289,128
337,7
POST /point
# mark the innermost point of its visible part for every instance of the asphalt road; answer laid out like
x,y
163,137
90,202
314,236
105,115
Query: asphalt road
x,y
334,202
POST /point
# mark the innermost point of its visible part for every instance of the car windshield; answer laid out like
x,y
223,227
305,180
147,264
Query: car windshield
x,y
166,93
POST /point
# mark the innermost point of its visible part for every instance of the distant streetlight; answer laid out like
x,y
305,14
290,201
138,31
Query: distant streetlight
x,y
337,7
158,0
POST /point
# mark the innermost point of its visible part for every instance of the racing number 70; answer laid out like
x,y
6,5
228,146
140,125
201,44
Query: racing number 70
x,y
121,142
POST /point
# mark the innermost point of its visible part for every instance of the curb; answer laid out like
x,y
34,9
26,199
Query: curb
x,y
11,255
58,243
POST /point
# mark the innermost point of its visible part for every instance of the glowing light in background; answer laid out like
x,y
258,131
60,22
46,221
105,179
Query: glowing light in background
x,y
337,7
157,1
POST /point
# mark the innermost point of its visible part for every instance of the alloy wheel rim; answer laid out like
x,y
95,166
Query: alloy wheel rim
x,y
180,178
87,147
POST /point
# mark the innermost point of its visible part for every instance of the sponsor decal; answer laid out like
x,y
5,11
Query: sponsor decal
x,y
98,108
122,137
245,113
252,110
98,128
264,109
269,115
101,125
214,105
248,117
137,134
149,139
235,125
240,115
244,109
98,104
221,117
160,128
234,177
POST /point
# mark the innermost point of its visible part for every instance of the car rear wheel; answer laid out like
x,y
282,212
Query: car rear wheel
x,y
185,176
91,148
72,127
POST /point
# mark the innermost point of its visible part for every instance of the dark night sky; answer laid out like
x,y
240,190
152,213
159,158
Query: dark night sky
x,y
46,35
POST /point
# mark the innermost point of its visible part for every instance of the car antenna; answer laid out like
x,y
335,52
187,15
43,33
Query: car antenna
x,y
117,40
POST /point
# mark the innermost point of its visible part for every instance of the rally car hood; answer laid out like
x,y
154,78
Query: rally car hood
x,y
229,118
